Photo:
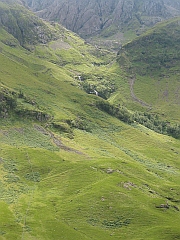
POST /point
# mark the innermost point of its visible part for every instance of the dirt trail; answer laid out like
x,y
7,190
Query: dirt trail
x,y
59,144
131,82
56,140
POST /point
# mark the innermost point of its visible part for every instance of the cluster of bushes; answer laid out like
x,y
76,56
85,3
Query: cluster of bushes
x,y
103,91
33,114
119,112
9,105
119,222
78,123
33,176
148,120
153,122
100,85
8,101
67,126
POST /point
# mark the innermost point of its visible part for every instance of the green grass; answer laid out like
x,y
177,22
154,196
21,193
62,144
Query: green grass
x,y
75,196
82,174
153,61
77,193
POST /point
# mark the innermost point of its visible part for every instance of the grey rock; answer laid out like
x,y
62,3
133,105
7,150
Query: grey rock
x,y
91,17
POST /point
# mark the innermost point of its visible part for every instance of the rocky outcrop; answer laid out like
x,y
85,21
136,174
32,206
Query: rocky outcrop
x,y
90,17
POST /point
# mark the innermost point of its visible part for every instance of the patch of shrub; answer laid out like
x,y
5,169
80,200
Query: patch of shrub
x,y
62,127
151,121
119,222
119,112
34,114
34,176
78,123
8,102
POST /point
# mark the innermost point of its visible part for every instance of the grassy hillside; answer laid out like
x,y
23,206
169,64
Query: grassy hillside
x,y
152,66
69,170
24,25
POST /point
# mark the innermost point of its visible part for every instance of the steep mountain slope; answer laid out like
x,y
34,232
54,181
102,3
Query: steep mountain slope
x,y
23,25
92,17
152,66
69,170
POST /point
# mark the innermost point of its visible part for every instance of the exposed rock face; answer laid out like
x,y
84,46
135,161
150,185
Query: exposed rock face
x,y
90,17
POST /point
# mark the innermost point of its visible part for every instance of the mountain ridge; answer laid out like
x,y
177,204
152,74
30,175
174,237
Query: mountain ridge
x,y
89,18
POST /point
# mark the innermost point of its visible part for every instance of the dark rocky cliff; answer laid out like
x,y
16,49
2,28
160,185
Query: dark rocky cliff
x,y
91,17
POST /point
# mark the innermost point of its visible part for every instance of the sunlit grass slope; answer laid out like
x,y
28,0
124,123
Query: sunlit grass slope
x,y
77,173
113,182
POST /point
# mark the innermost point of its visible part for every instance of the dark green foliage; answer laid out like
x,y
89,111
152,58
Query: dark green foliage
x,y
154,123
119,112
10,166
2,232
11,169
11,178
62,127
102,89
21,94
78,123
32,114
67,126
119,222
148,120
26,99
174,130
9,105
8,102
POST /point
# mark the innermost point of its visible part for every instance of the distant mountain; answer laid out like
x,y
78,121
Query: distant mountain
x,y
105,17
